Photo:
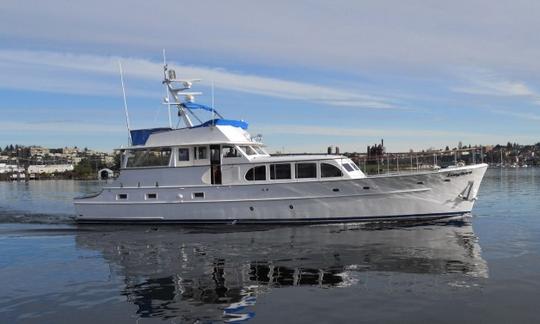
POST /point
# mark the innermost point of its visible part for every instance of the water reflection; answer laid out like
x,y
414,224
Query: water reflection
x,y
217,273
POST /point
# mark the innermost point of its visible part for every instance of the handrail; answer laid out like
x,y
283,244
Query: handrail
x,y
417,161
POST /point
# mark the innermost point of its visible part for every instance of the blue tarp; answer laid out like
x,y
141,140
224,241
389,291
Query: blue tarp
x,y
192,105
230,122
140,136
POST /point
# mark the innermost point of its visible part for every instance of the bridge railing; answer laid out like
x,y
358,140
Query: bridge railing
x,y
417,161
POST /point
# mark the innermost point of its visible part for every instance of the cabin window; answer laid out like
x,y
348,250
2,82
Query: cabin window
x,y
229,151
355,166
149,157
280,171
151,196
306,170
330,171
183,154
248,150
256,173
348,167
259,150
121,196
201,153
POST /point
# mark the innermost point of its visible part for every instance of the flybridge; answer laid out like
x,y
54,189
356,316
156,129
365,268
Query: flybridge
x,y
180,96
184,100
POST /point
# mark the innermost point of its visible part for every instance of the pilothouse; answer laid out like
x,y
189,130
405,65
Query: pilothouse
x,y
214,171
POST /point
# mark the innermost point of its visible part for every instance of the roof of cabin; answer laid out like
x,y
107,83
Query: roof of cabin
x,y
299,157
192,136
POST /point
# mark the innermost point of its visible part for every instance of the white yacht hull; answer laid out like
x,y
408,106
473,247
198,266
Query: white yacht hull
x,y
438,194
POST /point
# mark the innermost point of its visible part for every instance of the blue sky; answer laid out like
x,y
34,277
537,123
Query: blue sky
x,y
304,74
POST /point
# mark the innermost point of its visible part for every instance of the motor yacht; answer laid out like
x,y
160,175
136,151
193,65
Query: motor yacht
x,y
215,172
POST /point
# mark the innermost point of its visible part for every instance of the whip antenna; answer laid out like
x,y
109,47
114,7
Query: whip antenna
x,y
213,106
125,101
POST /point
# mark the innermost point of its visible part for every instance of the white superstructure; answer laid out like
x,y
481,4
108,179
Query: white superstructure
x,y
216,172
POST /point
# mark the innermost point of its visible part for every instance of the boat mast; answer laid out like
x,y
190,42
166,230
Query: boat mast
x,y
167,98
169,79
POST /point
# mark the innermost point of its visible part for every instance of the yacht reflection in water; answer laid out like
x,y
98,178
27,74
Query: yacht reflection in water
x,y
217,273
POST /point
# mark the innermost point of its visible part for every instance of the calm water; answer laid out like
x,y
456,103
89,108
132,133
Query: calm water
x,y
483,269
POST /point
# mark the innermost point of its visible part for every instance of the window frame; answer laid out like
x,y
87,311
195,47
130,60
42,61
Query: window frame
x,y
273,173
259,150
227,146
333,166
147,196
314,176
122,196
245,148
188,149
255,173
348,166
197,152
140,162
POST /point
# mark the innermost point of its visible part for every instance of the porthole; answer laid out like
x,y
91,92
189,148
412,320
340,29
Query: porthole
x,y
420,182
151,196
122,196
198,195
366,188
335,189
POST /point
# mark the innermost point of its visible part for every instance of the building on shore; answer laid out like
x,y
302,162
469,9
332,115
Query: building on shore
x,y
50,168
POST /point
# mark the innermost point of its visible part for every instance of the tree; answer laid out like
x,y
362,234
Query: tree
x,y
83,169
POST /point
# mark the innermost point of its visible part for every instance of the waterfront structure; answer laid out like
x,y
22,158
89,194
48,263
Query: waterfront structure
x,y
50,168
10,168
216,172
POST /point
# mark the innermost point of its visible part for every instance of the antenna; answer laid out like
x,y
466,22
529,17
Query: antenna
x,y
213,107
125,101
166,87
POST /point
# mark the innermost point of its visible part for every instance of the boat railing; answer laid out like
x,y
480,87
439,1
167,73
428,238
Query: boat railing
x,y
407,162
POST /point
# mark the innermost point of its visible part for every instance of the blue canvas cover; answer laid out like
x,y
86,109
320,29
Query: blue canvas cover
x,y
140,136
230,122
192,105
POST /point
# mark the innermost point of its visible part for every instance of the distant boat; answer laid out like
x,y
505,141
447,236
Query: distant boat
x,y
216,172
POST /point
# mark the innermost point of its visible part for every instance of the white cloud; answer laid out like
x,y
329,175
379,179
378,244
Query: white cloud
x,y
349,35
76,73
526,116
355,132
396,139
485,82
64,127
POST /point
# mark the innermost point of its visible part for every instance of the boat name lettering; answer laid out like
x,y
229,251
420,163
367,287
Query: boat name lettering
x,y
458,174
